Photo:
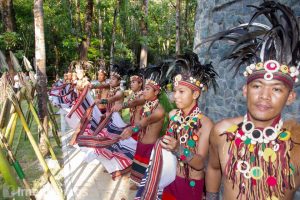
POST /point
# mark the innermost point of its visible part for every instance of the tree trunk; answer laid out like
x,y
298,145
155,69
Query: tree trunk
x,y
113,34
9,24
56,62
40,59
8,15
79,28
85,43
69,2
100,29
177,50
144,31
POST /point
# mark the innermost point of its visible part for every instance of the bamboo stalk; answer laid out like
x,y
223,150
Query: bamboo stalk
x,y
9,125
53,125
5,109
41,127
16,164
13,131
36,149
27,119
54,133
6,171
15,150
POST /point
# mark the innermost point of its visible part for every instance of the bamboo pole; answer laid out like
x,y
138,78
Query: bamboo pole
x,y
27,119
16,164
4,111
15,150
54,133
53,125
35,146
41,127
6,171
9,125
12,131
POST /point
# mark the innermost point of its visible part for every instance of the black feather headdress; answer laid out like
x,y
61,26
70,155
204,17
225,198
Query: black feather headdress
x,y
117,71
100,64
135,73
187,70
156,75
270,50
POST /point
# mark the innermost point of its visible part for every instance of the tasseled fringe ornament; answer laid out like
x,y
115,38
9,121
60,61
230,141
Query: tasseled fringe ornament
x,y
277,173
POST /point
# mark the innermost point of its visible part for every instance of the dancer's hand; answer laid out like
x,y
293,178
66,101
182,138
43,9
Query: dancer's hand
x,y
127,133
117,107
97,101
169,143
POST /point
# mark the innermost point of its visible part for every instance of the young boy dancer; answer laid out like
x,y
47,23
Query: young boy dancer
x,y
101,88
150,125
187,134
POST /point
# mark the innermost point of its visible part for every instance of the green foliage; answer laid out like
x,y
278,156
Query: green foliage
x,y
9,40
63,35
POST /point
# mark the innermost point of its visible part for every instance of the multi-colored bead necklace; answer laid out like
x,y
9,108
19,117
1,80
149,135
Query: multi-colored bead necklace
x,y
132,97
259,160
113,91
148,107
185,130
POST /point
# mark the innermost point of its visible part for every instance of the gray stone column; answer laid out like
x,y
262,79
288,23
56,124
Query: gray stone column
x,y
214,16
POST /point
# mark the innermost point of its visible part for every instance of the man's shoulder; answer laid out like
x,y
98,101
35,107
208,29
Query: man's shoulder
x,y
221,126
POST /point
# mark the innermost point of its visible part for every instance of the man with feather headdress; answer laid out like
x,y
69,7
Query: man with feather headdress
x,y
256,154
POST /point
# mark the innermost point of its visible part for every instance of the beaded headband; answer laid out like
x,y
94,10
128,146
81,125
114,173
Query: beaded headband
x,y
135,78
102,71
153,84
190,82
116,74
271,69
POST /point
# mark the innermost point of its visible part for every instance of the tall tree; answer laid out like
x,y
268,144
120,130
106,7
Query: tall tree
x,y
86,40
9,24
100,35
8,16
144,32
40,63
113,33
79,28
177,49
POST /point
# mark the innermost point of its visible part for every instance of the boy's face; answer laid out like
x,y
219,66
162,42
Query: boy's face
x,y
135,85
266,99
74,76
184,96
80,74
69,75
149,93
101,76
114,81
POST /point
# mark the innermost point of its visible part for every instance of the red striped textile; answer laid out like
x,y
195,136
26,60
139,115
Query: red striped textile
x,y
151,187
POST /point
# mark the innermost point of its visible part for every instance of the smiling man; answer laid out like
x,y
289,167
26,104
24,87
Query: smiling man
x,y
255,154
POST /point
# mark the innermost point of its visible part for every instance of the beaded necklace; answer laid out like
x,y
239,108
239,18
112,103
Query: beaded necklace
x,y
148,107
99,91
147,110
259,160
112,92
132,97
185,129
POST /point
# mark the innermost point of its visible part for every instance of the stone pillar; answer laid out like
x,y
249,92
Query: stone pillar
x,y
214,16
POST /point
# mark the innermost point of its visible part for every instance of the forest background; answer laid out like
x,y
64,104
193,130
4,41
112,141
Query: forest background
x,y
114,30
